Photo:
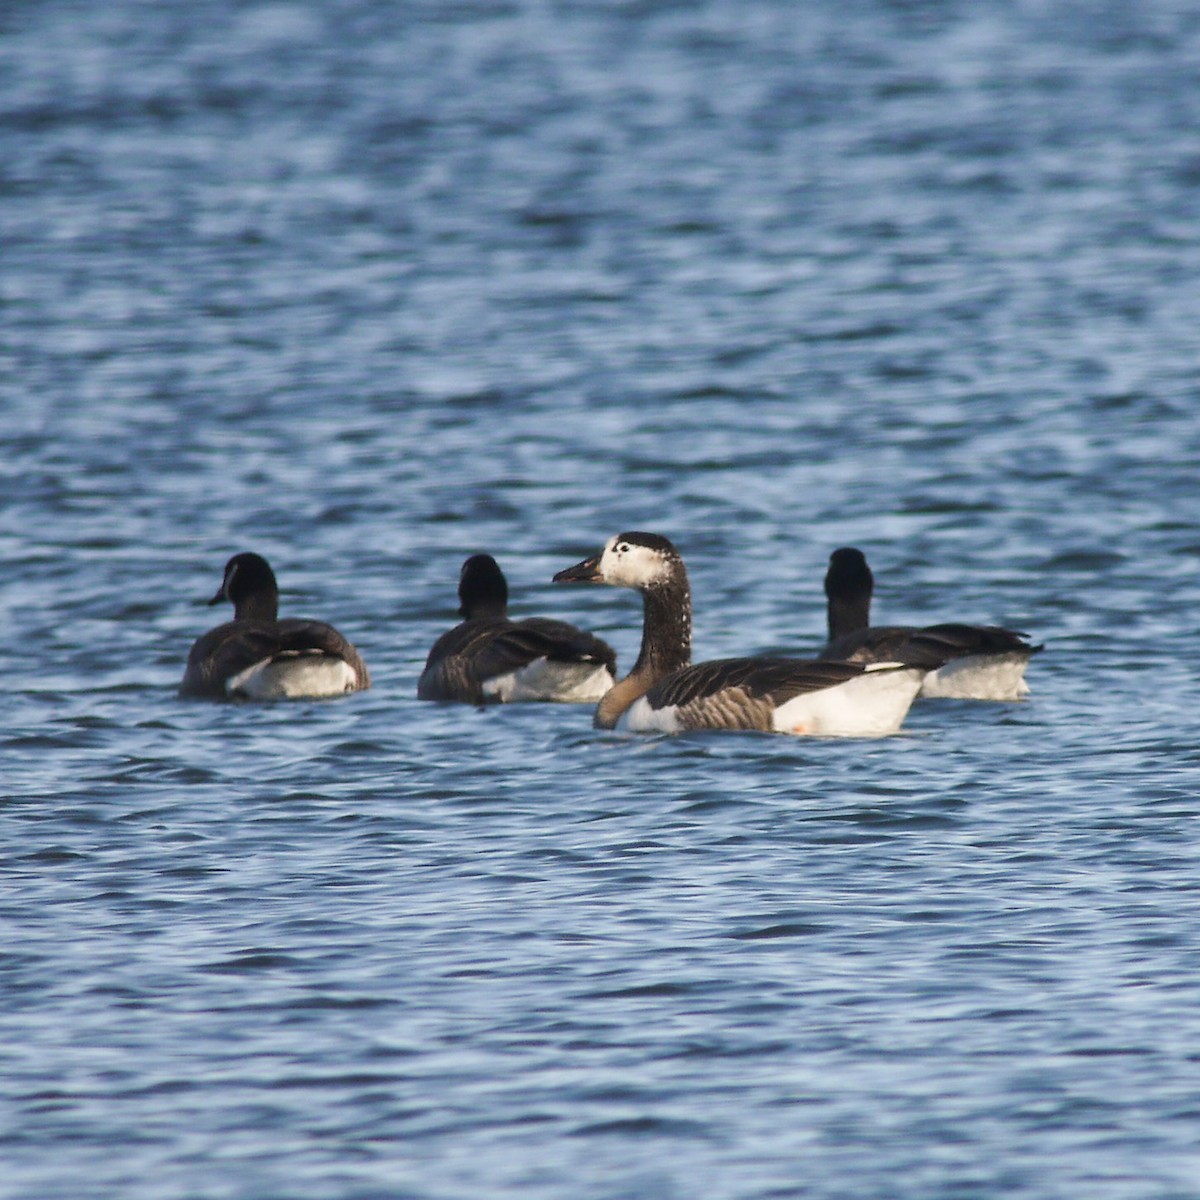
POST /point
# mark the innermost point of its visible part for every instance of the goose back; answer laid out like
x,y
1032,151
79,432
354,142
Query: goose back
x,y
489,658
966,662
258,657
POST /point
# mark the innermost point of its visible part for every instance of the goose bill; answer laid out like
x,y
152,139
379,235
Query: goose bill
x,y
587,571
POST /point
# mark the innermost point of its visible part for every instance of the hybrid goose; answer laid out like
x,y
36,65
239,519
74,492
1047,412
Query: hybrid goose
x,y
489,658
256,656
964,662
664,693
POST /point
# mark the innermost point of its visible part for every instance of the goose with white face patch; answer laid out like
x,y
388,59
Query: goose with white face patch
x,y
664,693
963,662
256,656
490,659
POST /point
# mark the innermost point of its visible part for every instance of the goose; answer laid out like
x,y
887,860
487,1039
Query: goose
x,y
489,658
665,693
964,662
256,656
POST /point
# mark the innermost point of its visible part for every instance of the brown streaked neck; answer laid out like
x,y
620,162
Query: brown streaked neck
x,y
666,647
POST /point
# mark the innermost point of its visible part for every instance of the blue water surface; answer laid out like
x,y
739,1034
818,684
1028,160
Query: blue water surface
x,y
369,287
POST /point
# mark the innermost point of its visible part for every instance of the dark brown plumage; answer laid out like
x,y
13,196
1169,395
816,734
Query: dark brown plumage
x,y
258,656
984,662
489,658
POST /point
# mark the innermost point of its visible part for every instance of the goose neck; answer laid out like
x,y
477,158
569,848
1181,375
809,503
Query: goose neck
x,y
259,606
666,630
847,614
666,647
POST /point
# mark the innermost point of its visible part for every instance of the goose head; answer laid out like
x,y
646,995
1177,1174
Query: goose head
x,y
848,574
249,585
645,561
482,588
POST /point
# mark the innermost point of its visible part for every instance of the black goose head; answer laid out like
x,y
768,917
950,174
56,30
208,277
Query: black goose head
x,y
848,587
482,588
249,585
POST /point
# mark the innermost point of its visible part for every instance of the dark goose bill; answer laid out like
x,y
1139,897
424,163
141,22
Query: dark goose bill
x,y
587,571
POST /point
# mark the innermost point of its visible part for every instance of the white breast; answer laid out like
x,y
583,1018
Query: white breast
x,y
639,717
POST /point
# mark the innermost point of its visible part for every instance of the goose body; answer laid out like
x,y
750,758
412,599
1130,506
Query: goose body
x,y
666,693
256,656
489,658
962,662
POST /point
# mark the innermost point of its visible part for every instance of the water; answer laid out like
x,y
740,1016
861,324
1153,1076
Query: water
x,y
368,288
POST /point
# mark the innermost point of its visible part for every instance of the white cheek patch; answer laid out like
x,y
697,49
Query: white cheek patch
x,y
630,565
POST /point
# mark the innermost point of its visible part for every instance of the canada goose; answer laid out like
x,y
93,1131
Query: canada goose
x,y
258,657
664,693
489,658
965,662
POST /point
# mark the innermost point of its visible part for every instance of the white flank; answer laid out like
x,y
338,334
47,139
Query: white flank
x,y
980,677
639,717
303,676
870,705
567,683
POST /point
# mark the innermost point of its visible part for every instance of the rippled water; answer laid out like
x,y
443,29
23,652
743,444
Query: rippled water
x,y
368,288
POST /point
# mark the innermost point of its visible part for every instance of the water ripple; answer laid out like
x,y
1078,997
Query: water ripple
x,y
369,291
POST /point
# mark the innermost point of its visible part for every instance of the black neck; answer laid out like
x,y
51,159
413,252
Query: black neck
x,y
482,589
847,614
482,607
258,606
666,629
848,587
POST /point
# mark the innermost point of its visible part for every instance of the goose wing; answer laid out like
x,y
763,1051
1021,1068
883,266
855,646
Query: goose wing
x,y
775,680
741,693
299,635
232,648
566,643
930,646
450,669
537,637
977,639
466,639
463,659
